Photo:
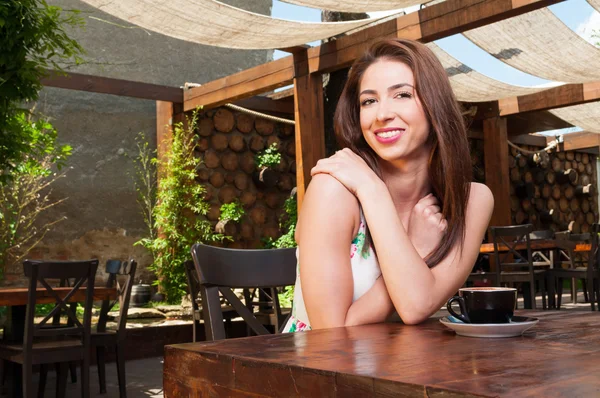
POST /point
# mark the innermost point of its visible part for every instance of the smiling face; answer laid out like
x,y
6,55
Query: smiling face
x,y
392,118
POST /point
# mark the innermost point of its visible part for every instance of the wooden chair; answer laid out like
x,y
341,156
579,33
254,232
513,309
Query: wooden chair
x,y
194,291
43,344
513,266
544,257
220,270
588,271
102,338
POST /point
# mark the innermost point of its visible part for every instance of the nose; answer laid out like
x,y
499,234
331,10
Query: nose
x,y
384,111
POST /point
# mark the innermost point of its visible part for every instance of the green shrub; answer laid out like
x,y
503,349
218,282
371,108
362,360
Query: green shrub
x,y
179,216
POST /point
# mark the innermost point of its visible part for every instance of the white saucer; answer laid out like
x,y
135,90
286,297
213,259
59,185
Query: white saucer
x,y
516,327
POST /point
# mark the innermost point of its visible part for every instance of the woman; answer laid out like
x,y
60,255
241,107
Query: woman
x,y
393,220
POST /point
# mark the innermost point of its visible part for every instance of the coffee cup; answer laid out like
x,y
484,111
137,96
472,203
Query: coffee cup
x,y
484,304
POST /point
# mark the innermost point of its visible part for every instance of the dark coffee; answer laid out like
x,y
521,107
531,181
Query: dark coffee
x,y
485,304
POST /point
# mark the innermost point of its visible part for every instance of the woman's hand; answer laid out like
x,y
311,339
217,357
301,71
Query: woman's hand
x,y
349,169
427,225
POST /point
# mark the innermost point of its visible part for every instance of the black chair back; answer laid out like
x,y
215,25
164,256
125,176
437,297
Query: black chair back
x,y
517,239
82,272
126,271
220,270
194,290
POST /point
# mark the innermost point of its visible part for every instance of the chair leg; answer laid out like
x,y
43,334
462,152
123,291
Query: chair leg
x,y
589,286
61,379
27,371
559,290
532,294
85,374
42,383
73,371
121,369
543,290
101,368
585,290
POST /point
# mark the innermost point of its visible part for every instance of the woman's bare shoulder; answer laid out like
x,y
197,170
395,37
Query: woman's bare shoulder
x,y
481,197
329,201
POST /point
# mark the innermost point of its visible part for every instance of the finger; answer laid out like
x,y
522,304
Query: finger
x,y
435,209
428,200
443,225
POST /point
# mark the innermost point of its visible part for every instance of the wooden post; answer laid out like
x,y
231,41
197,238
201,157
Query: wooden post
x,y
310,130
167,114
495,148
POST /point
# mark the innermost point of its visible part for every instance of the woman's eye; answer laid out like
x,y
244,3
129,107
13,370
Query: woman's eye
x,y
367,102
404,94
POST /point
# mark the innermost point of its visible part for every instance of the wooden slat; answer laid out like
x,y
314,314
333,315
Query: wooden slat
x,y
556,97
268,105
495,153
431,23
106,85
451,17
524,139
310,130
18,296
240,85
578,141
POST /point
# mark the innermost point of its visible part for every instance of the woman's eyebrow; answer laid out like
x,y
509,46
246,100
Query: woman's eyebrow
x,y
399,85
391,88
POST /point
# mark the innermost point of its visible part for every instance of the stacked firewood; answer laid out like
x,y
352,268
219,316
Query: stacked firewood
x,y
228,142
553,192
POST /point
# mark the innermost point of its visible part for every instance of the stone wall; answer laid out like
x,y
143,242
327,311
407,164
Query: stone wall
x,y
227,145
103,218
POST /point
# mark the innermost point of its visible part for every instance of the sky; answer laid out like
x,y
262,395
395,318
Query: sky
x,y
576,14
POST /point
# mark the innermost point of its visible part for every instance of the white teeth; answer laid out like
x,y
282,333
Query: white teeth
x,y
389,134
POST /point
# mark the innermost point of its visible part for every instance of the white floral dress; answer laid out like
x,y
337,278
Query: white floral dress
x,y
365,271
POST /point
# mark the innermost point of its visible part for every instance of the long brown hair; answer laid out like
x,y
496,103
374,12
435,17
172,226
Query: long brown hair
x,y
449,170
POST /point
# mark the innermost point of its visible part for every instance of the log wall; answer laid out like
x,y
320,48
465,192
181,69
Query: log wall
x,y
558,192
227,144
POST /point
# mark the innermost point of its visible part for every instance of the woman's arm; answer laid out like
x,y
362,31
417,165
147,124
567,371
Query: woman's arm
x,y
416,290
327,223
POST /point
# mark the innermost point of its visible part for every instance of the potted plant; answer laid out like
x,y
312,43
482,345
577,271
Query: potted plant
x,y
233,211
266,161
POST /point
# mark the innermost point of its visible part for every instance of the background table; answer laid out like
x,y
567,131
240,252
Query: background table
x,y
16,301
558,357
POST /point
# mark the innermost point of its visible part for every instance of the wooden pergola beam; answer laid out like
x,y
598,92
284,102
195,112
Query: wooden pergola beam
x,y
557,97
107,85
579,141
495,153
310,126
241,85
431,23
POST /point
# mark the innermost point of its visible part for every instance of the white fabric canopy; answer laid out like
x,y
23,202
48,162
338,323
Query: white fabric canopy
x,y
586,116
213,23
472,86
540,44
356,5
595,4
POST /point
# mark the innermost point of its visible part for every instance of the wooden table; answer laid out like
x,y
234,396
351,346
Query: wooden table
x,y
538,244
16,301
558,357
